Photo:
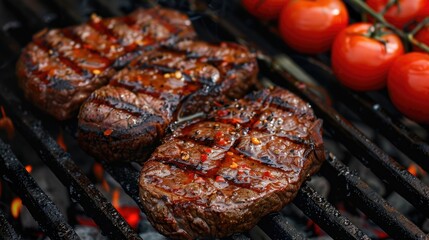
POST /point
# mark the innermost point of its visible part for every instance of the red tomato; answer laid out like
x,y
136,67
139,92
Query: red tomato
x,y
264,9
408,11
310,26
423,37
424,13
361,62
408,85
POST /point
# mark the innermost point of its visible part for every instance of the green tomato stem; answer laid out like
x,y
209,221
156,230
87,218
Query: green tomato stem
x,y
389,5
409,37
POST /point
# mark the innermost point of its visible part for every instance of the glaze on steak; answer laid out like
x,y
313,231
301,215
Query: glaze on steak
x,y
60,68
124,120
217,176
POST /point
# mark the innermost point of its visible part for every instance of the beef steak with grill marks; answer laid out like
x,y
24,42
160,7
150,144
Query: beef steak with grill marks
x,y
60,68
219,175
124,120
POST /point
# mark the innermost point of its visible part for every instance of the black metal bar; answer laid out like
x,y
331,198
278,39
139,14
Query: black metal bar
x,y
60,162
41,207
370,202
24,11
73,12
373,115
6,229
238,237
10,27
326,216
109,7
278,228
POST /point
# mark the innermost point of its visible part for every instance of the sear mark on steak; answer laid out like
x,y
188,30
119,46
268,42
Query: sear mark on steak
x,y
141,100
216,176
60,68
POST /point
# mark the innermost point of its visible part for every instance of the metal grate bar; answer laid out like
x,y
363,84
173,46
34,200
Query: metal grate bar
x,y
25,10
238,237
70,9
372,204
279,228
9,25
6,230
60,162
39,204
375,116
326,216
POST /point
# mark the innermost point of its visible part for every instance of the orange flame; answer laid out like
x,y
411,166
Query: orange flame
x,y
416,170
99,174
15,207
6,124
115,198
60,140
412,169
29,168
130,214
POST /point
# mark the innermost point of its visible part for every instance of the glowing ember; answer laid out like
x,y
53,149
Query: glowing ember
x,y
108,132
412,169
29,168
6,124
129,213
99,174
115,198
416,170
316,229
15,207
60,140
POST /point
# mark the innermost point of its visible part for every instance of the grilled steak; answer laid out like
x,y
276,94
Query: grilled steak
x,y
60,68
124,120
217,176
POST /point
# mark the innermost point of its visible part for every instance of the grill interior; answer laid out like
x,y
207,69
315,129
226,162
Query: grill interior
x,y
214,20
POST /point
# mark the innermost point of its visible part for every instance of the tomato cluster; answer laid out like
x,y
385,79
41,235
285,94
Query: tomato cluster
x,y
400,14
364,56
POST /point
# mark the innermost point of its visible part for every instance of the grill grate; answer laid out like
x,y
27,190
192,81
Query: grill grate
x,y
28,16
6,230
40,205
370,202
60,162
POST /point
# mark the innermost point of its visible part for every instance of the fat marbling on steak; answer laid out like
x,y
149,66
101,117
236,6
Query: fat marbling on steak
x,y
60,68
125,120
219,175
